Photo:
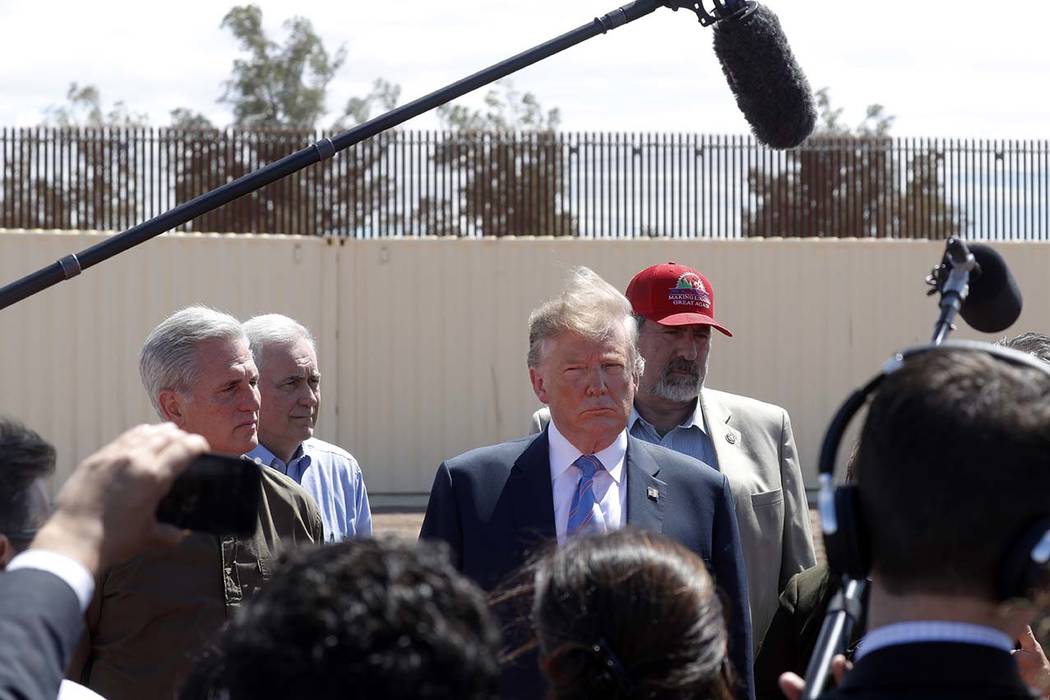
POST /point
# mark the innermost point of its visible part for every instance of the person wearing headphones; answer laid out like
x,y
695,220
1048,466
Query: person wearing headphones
x,y
950,513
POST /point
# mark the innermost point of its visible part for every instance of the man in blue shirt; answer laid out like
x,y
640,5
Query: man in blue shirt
x,y
290,389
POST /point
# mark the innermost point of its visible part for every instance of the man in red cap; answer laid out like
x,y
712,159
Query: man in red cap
x,y
749,441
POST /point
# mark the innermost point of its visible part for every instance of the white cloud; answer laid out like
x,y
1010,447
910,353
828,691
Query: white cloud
x,y
943,68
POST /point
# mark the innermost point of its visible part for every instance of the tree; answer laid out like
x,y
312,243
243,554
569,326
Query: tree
x,y
100,192
278,86
511,165
846,182
282,89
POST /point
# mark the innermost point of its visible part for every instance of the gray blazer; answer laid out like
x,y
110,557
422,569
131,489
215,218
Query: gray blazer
x,y
40,623
756,453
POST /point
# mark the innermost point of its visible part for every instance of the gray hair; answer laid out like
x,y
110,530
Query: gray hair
x,y
589,306
274,329
1032,343
169,355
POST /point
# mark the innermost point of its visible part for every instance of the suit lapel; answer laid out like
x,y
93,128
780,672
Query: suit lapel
x,y
645,493
531,494
724,438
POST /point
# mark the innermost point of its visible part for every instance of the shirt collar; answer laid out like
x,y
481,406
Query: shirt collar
x,y
920,631
261,454
693,420
563,453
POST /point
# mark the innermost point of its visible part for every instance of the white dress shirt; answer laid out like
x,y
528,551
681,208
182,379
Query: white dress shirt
x,y
610,484
74,691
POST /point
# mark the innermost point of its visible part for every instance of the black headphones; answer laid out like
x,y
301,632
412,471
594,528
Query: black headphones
x,y
1025,563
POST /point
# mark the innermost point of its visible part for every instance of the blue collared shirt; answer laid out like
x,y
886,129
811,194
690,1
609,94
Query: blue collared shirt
x,y
609,484
917,631
690,437
333,478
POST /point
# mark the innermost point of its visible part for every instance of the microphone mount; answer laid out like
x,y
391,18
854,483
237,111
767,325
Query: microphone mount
x,y
722,10
952,280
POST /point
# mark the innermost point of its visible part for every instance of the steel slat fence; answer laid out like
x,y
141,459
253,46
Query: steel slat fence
x,y
584,184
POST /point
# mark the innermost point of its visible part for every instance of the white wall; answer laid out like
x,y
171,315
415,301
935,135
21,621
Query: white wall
x,y
422,342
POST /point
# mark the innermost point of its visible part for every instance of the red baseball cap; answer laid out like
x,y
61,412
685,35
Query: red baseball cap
x,y
674,295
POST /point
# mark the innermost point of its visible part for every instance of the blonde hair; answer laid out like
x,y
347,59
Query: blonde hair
x,y
589,306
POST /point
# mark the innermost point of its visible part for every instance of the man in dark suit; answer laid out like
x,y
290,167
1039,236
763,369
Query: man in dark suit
x,y
749,441
498,505
105,514
951,471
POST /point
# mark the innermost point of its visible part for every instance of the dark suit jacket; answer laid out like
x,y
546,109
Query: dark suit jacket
x,y
40,623
494,506
933,671
792,636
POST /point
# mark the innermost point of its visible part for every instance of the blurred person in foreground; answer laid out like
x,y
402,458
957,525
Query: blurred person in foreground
x,y
1035,344
630,615
151,615
27,461
105,513
290,393
496,506
951,469
357,619
792,636
749,441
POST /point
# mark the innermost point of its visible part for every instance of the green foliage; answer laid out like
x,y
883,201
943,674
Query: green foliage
x,y
850,182
506,153
83,108
506,109
384,95
278,85
511,164
183,118
283,87
98,187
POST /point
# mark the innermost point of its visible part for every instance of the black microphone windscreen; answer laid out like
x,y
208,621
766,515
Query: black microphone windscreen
x,y
769,87
994,301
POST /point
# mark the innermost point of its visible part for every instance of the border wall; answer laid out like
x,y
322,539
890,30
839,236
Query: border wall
x,y
422,342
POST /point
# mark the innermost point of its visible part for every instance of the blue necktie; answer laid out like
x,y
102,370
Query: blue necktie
x,y
581,512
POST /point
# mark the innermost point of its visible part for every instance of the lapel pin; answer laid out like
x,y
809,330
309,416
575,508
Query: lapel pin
x,y
652,493
731,438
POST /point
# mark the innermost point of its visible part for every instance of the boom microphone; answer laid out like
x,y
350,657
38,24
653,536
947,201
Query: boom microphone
x,y
994,301
974,282
769,87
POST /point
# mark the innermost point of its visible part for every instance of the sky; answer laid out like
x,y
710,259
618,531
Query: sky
x,y
944,69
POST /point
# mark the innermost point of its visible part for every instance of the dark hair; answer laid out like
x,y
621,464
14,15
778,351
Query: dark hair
x,y
24,458
1033,343
629,615
952,467
361,618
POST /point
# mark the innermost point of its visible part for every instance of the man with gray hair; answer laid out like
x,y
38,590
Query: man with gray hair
x,y
496,506
290,390
151,615
749,441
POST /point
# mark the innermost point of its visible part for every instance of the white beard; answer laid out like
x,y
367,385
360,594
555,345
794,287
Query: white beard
x,y
679,389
